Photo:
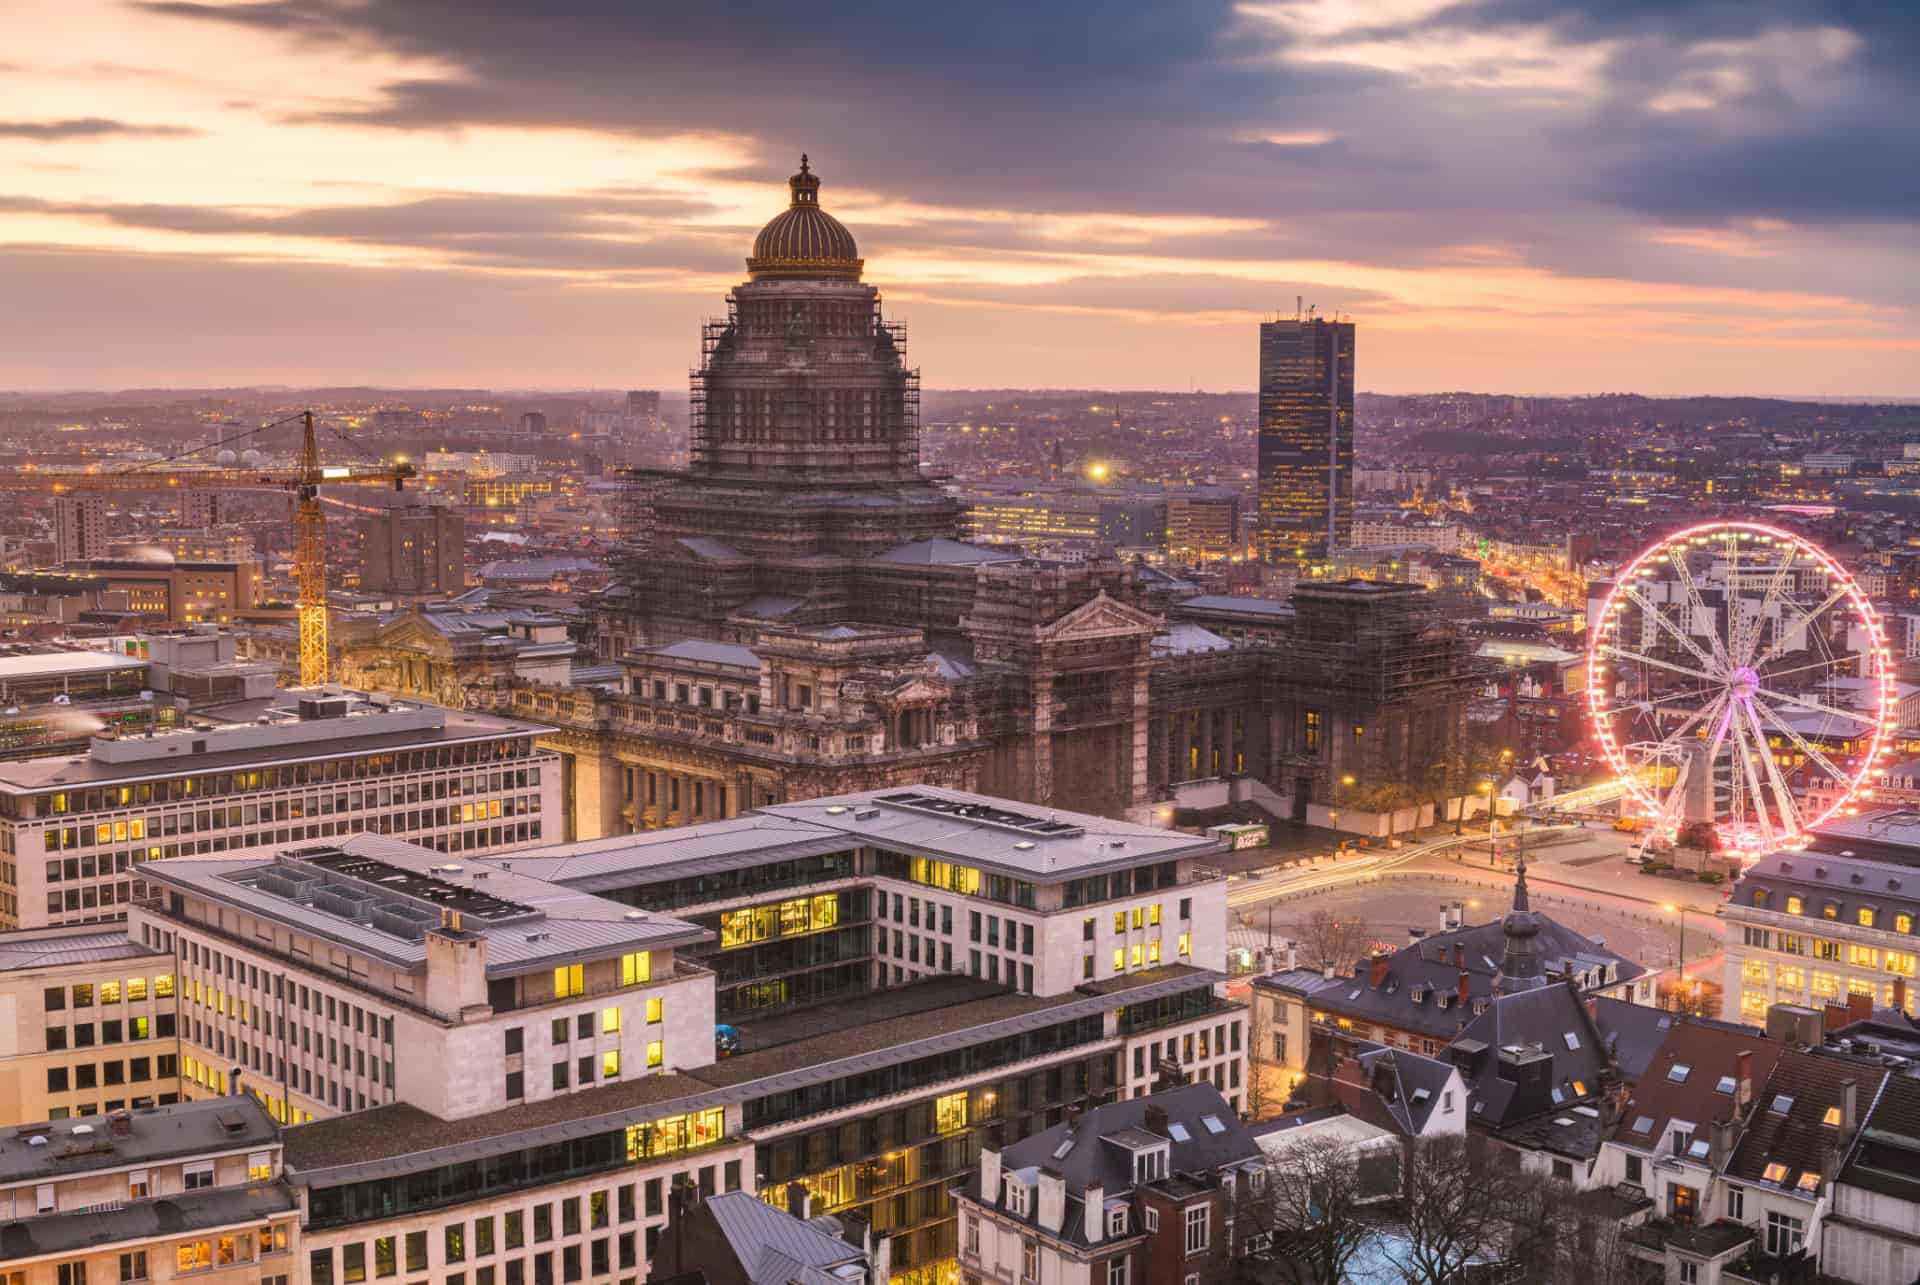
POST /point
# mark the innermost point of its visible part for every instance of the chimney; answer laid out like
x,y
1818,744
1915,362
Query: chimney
x,y
1719,1144
1446,915
1593,1010
1094,1206
1466,988
120,1123
1377,969
1460,956
1156,1121
1293,957
1053,1198
1849,1107
799,1199
1328,970
1859,1008
1742,1079
990,1176
1073,1114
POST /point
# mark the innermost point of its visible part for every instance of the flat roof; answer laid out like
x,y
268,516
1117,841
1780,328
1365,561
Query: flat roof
x,y
1028,840
142,1220
44,664
78,772
873,1032
81,944
620,861
402,888
210,1125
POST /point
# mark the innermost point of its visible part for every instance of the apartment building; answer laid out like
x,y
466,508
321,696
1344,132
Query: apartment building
x,y
76,831
87,1025
1130,1193
1813,928
187,1191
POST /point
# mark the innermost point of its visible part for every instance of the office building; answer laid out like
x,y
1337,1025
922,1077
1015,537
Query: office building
x,y
901,977
412,547
178,593
79,528
1306,439
77,830
1203,525
90,1025
533,423
190,1191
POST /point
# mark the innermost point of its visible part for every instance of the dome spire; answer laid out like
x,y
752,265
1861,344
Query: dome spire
x,y
805,185
1520,962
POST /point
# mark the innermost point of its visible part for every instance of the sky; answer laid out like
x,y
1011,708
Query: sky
x,y
1530,196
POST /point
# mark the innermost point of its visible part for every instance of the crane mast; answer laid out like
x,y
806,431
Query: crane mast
x,y
310,561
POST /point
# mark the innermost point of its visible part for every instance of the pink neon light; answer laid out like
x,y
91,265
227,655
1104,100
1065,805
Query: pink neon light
x,y
1869,616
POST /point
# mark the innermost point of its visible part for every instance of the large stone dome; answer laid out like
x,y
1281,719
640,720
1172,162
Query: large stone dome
x,y
804,241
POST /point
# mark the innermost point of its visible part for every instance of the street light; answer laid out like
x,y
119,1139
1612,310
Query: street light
x,y
1682,908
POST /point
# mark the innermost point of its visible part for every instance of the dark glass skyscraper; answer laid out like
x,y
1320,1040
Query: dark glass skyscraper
x,y
1306,438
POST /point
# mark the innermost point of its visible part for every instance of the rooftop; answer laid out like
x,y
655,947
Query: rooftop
x,y
379,895
55,664
280,738
1797,1124
703,651
139,1220
861,1034
211,1125
53,947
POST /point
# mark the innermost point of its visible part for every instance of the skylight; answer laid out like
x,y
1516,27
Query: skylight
x,y
1643,1125
1782,1104
1679,1072
1699,1149
1178,1132
1213,1124
1809,1180
1573,1040
1775,1172
1832,1118
1725,1085
1354,993
1066,1145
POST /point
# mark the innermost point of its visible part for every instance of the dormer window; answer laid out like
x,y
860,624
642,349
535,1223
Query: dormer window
x,y
1017,1197
1117,1221
1795,905
1149,1166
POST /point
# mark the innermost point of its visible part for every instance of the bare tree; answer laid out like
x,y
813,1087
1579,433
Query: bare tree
x,y
1326,938
1559,1236
1457,1204
1311,1203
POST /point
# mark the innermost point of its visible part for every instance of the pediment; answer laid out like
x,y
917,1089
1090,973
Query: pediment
x,y
1102,617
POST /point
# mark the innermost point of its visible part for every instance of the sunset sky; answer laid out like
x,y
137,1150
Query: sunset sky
x,y
1513,195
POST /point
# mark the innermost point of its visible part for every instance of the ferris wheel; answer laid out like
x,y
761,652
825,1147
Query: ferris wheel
x,y
1739,682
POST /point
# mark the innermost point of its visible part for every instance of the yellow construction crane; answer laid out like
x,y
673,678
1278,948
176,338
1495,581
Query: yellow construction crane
x,y
309,521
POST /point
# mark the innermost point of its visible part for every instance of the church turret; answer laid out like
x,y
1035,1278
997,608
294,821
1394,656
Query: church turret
x,y
1520,962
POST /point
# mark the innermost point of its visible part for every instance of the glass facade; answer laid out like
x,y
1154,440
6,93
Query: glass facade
x,y
1306,438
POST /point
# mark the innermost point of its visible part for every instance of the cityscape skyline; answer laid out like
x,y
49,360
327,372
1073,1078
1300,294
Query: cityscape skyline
x,y
489,200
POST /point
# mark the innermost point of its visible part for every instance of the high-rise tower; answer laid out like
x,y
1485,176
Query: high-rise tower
x,y
1306,438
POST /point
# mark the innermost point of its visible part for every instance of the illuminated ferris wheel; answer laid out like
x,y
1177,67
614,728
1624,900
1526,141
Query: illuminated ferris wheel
x,y
1740,683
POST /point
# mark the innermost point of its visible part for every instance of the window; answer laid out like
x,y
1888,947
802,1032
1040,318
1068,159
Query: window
x,y
973,1235
1029,1261
353,1263
133,1266
1635,1171
1775,1172
260,1167
1794,905
416,1251
138,1187
71,1274
1737,1203
610,1020
1117,1270
1866,916
1783,1233
656,1011
1117,1221
1832,1118
1678,1072
656,1053
950,1113
610,1064
569,980
636,968
197,1177
1199,1225
1150,1218
1016,1197
1689,1272
385,1261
